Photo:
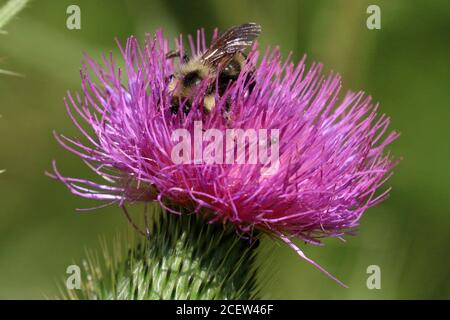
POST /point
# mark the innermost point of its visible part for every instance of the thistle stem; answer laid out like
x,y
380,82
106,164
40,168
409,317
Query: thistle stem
x,y
184,258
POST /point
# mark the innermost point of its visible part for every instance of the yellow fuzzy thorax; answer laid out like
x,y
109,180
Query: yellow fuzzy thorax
x,y
195,65
184,69
204,71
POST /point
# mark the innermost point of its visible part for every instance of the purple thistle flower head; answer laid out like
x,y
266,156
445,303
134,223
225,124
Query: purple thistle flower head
x,y
330,148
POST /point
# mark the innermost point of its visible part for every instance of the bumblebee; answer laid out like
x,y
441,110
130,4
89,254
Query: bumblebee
x,y
222,61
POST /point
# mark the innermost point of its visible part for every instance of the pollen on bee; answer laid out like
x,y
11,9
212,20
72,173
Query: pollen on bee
x,y
209,102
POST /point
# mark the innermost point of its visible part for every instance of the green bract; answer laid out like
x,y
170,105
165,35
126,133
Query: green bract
x,y
185,258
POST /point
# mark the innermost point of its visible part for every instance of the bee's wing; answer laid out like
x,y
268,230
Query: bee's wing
x,y
233,40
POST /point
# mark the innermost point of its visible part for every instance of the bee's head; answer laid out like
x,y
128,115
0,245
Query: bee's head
x,y
188,76
192,78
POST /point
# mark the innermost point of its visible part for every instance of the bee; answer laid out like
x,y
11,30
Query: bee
x,y
222,61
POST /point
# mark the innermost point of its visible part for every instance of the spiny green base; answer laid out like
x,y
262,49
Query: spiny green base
x,y
185,258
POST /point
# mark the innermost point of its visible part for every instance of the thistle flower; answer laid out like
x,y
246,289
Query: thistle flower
x,y
331,148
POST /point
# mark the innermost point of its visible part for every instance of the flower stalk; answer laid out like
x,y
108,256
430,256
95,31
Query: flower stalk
x,y
184,258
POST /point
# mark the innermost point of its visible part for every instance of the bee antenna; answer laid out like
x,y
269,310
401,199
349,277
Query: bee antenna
x,y
176,54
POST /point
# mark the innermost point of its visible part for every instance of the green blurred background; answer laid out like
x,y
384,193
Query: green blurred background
x,y
405,66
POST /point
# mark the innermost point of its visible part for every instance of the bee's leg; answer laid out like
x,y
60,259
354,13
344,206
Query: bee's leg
x,y
175,106
176,54
250,81
225,80
187,107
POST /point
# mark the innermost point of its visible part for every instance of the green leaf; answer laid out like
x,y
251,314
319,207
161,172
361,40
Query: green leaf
x,y
10,9
10,73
